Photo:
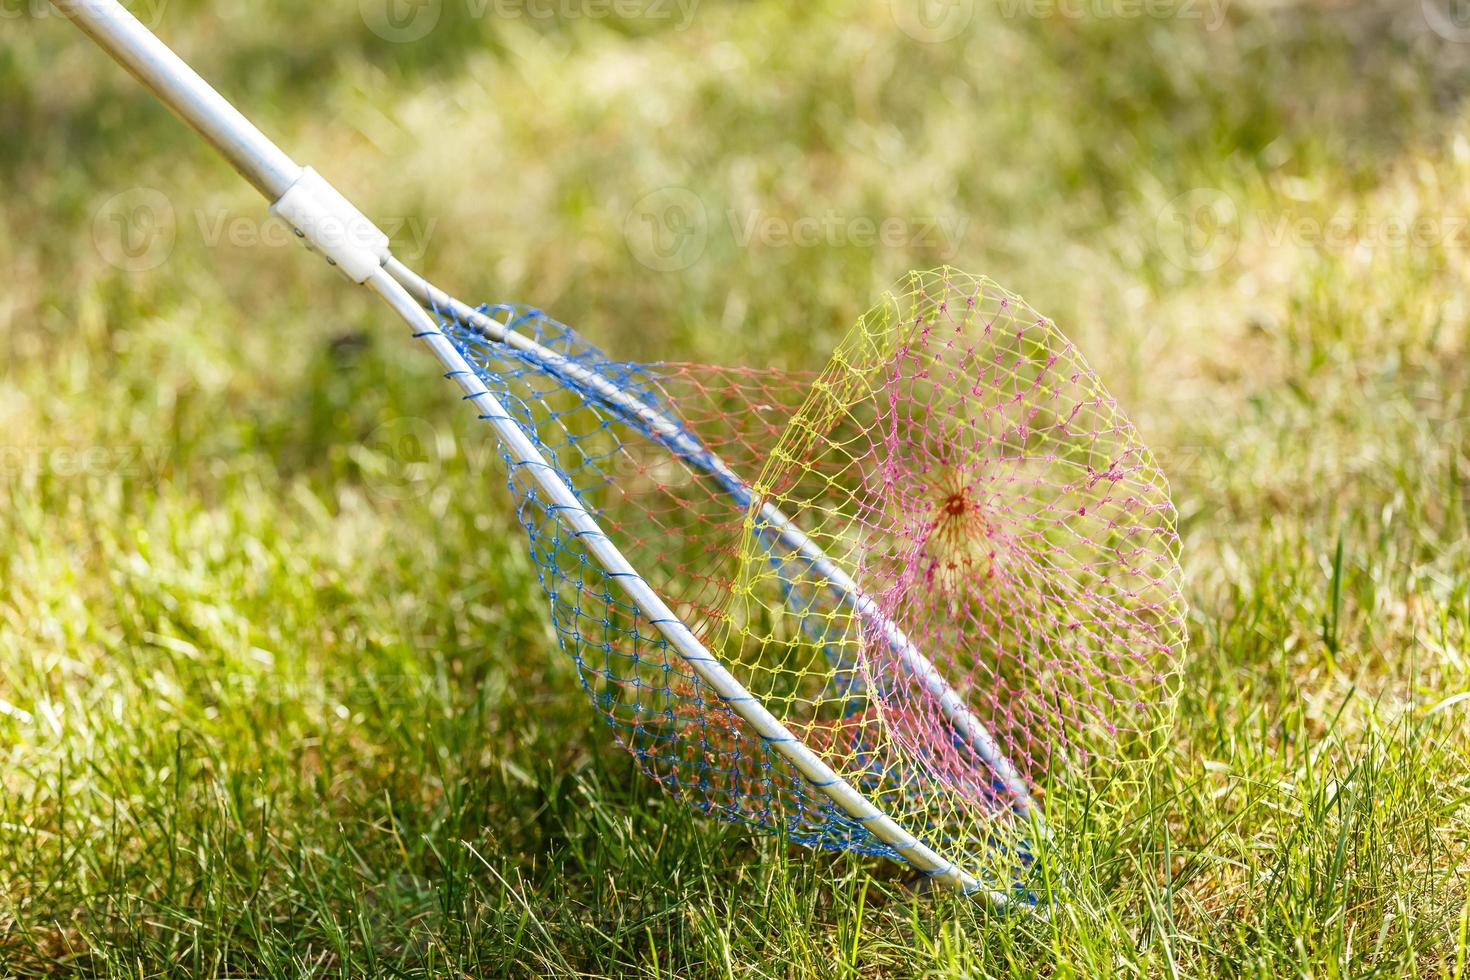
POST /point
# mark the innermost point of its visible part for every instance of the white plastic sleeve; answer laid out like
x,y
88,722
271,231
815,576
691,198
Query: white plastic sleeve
x,y
330,224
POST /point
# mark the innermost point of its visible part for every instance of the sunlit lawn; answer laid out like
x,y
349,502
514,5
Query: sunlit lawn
x,y
274,703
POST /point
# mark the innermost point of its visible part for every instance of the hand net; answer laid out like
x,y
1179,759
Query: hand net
x,y
955,488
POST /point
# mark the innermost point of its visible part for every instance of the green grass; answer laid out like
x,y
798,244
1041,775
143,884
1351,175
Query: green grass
x,y
273,703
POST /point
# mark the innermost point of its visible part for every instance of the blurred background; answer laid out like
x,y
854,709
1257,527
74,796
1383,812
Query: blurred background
x,y
277,690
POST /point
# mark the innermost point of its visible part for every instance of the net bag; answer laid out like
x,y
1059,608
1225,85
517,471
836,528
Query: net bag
x,y
946,563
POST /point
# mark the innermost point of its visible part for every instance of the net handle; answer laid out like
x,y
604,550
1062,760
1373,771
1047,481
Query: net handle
x,y
320,214
190,97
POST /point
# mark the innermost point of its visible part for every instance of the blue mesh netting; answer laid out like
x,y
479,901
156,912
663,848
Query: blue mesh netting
x,y
680,526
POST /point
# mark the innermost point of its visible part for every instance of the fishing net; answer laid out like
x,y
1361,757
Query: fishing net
x,y
946,563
